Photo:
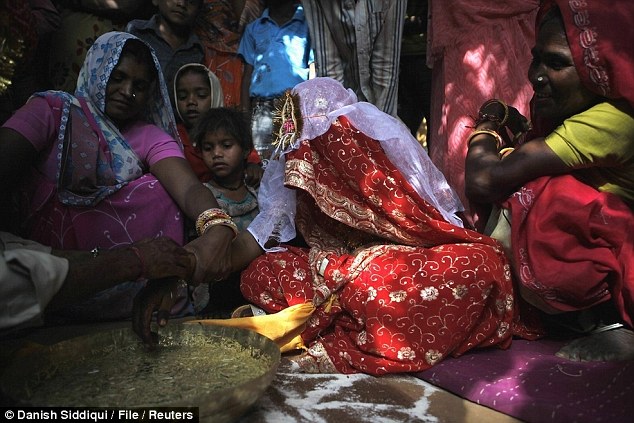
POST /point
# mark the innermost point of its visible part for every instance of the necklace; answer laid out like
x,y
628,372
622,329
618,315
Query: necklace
x,y
230,188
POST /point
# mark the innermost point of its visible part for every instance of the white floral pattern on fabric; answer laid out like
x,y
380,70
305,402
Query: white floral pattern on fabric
x,y
265,298
503,329
313,321
362,338
433,356
429,293
316,360
398,296
460,291
299,274
406,353
371,293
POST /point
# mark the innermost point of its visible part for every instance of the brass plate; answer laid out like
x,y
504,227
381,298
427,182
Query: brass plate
x,y
224,405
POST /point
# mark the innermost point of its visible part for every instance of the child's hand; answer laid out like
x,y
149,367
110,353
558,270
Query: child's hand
x,y
253,174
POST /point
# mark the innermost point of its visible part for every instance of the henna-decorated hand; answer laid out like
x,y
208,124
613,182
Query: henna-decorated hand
x,y
163,257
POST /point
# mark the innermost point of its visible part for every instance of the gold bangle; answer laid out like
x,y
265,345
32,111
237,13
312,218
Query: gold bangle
x,y
505,152
211,212
215,222
506,113
223,222
498,138
208,215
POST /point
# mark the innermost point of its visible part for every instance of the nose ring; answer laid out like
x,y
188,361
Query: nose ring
x,y
134,94
540,79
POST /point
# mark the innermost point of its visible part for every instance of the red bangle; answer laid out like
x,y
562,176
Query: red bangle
x,y
140,257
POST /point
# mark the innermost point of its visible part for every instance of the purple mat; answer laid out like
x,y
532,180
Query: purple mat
x,y
530,383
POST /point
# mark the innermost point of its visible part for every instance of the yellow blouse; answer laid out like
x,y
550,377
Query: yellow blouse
x,y
599,144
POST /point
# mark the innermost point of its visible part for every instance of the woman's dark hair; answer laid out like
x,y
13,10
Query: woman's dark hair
x,y
193,69
552,14
140,52
232,121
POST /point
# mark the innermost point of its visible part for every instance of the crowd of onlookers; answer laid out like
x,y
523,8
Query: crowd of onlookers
x,y
256,48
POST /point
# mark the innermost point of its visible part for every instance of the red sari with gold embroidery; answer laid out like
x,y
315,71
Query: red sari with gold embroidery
x,y
396,287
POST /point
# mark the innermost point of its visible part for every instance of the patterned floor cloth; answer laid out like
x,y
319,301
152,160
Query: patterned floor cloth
x,y
530,383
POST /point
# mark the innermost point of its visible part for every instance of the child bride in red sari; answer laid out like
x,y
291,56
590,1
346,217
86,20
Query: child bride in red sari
x,y
390,281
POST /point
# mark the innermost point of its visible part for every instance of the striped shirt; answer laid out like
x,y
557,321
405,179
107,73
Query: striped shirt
x,y
358,43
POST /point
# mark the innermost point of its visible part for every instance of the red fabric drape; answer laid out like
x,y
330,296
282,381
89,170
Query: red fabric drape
x,y
417,290
573,246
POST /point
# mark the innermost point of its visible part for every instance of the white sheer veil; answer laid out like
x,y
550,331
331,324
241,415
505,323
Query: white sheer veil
x,y
321,101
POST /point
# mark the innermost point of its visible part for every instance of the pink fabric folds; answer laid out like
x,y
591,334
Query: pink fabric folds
x,y
529,382
141,209
478,50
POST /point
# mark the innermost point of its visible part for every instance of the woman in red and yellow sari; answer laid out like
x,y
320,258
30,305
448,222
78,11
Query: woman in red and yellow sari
x,y
389,280
568,192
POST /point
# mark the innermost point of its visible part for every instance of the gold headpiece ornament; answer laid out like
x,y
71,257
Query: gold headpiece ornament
x,y
287,122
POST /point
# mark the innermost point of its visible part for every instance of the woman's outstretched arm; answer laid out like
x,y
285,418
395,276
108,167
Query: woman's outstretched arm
x,y
212,250
489,179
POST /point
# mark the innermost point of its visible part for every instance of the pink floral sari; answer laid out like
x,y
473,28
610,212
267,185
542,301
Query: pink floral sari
x,y
99,193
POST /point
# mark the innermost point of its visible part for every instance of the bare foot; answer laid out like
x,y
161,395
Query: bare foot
x,y
612,345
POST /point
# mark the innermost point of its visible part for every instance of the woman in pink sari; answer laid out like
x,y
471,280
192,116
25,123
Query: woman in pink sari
x,y
568,192
388,279
104,168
